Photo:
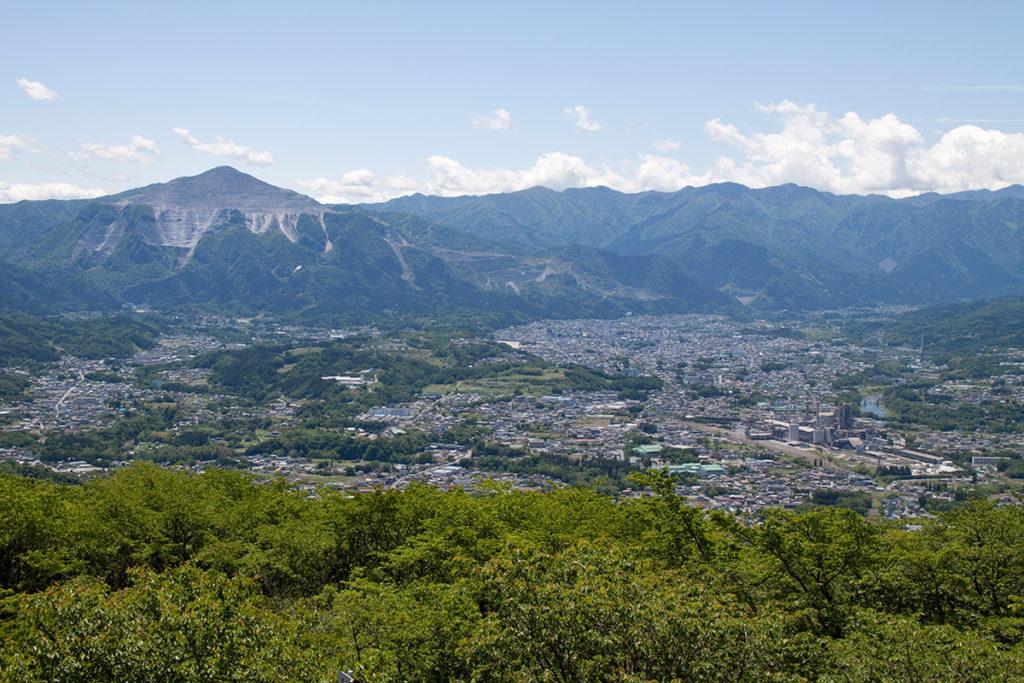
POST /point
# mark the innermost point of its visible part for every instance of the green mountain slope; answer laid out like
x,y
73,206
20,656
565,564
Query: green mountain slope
x,y
963,328
781,246
227,241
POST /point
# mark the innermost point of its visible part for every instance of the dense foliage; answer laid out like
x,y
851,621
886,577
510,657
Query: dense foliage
x,y
907,406
969,339
788,246
261,371
962,328
154,575
24,338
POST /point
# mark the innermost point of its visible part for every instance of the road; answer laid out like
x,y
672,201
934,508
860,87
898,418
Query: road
x,y
56,408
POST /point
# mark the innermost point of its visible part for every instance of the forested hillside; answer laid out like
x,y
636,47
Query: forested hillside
x,y
154,576
226,242
776,247
962,328
26,338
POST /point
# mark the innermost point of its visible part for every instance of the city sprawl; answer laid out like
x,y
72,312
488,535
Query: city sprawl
x,y
745,415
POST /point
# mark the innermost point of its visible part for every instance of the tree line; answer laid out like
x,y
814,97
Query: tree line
x,y
152,575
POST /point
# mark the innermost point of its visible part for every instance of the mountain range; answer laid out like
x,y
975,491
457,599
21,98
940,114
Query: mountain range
x,y
226,241
784,246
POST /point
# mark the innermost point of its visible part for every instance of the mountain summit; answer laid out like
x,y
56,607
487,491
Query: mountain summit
x,y
219,188
185,209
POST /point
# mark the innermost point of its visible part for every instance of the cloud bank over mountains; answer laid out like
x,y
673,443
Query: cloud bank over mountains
x,y
845,155
16,192
850,155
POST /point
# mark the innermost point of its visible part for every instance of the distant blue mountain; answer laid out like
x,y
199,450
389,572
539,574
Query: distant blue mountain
x,y
224,240
785,246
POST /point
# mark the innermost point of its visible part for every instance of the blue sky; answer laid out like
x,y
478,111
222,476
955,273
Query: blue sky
x,y
360,102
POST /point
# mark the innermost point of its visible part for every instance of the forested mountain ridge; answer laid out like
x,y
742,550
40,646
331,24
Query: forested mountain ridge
x,y
787,245
225,241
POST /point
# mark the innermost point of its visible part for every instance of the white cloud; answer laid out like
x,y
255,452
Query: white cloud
x,y
582,116
799,154
447,177
9,144
556,170
354,187
662,174
138,150
969,158
227,148
853,155
37,91
877,153
17,192
946,119
848,155
499,119
666,145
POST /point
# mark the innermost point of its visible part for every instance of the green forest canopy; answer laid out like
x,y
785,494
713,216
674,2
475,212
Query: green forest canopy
x,y
152,575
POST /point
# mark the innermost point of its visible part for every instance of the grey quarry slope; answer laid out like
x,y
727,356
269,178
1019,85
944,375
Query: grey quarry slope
x,y
185,209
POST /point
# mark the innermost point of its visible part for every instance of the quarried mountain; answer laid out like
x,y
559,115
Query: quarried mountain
x,y
224,240
186,209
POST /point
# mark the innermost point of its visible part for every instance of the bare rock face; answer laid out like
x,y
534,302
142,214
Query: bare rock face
x,y
186,209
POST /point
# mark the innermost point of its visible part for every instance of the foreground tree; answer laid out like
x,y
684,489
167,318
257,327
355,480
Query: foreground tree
x,y
594,613
183,625
883,647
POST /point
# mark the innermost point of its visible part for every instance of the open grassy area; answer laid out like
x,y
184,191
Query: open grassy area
x,y
303,350
508,382
821,333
